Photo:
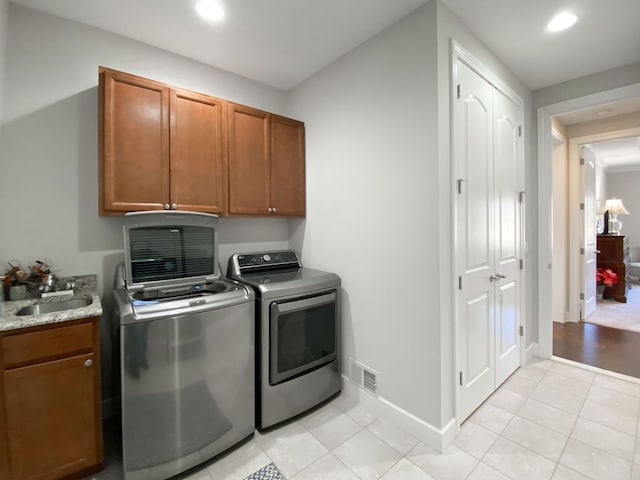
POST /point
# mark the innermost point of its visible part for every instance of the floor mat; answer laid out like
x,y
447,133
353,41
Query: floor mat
x,y
270,472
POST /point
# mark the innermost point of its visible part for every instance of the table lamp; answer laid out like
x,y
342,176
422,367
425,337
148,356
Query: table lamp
x,y
615,207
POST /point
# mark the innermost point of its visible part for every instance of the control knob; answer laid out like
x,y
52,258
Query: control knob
x,y
266,258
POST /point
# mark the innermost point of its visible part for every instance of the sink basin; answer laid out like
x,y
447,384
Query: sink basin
x,y
40,308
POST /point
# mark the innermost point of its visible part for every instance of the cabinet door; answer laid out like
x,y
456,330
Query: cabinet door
x,y
287,166
248,161
50,418
197,181
134,143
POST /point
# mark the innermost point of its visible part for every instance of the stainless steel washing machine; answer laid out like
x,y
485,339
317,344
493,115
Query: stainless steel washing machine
x,y
298,332
186,347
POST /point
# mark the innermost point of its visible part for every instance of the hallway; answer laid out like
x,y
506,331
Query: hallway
x,y
603,347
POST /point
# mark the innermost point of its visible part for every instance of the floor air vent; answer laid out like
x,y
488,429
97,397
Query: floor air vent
x,y
364,376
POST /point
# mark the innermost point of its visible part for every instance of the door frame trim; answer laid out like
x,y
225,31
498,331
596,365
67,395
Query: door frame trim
x,y
459,53
545,199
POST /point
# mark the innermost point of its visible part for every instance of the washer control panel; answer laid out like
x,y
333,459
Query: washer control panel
x,y
265,259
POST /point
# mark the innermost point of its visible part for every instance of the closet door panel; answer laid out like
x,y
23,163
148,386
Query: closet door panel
x,y
507,234
473,154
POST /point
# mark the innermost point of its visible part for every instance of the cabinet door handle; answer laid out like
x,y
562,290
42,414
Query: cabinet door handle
x,y
174,206
274,210
167,206
88,362
269,209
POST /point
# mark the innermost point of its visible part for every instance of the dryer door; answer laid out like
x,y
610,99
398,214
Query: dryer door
x,y
303,335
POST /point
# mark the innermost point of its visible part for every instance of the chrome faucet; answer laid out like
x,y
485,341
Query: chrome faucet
x,y
49,283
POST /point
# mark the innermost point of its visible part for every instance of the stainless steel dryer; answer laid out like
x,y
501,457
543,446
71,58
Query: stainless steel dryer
x,y
298,332
186,346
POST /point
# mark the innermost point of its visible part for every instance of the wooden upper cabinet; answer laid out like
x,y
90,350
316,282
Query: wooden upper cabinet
x,y
266,163
160,147
196,162
134,143
287,166
248,161
166,148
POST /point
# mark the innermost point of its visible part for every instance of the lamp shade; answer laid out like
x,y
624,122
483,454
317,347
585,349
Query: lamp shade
x,y
615,206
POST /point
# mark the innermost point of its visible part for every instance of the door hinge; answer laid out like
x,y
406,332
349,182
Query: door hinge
x,y
581,251
521,331
521,197
582,206
459,185
521,264
519,130
582,161
582,296
460,282
460,378
458,90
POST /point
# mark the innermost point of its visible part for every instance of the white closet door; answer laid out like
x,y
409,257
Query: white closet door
x,y
473,163
488,164
507,234
589,235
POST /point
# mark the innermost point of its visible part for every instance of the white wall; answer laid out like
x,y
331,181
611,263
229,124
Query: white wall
x,y
378,183
372,194
560,257
624,185
49,147
4,14
611,124
587,85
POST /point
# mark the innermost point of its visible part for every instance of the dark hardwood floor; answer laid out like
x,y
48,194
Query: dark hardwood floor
x,y
602,347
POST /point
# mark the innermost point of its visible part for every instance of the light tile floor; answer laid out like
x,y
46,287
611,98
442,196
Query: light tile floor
x,y
550,420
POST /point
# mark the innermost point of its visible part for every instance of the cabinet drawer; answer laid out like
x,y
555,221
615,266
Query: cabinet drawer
x,y
28,347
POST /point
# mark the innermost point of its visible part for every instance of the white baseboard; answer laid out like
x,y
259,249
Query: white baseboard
x,y
436,438
531,352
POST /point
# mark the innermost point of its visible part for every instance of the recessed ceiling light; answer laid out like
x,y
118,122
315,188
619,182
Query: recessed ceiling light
x,y
561,21
604,111
210,10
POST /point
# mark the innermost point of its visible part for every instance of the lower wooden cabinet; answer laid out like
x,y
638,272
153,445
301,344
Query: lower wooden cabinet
x,y
50,423
614,255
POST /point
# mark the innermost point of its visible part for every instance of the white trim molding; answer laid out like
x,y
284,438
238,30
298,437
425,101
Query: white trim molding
x,y
531,352
545,200
434,437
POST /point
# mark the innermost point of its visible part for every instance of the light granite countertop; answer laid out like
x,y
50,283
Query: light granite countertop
x,y
10,321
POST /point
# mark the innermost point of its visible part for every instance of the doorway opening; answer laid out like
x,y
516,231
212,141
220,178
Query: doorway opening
x,y
562,330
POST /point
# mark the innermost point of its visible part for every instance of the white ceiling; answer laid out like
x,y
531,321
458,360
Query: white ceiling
x,y
276,42
283,42
618,155
606,35
600,112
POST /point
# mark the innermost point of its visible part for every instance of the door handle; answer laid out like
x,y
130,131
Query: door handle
x,y
499,275
596,251
496,276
